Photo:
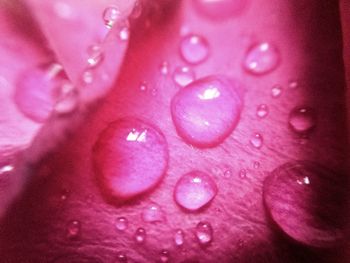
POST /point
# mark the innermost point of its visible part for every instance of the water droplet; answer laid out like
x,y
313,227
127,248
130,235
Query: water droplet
x,y
143,86
276,91
124,33
227,173
256,165
195,110
243,173
110,15
164,256
204,233
302,120
164,68
87,77
257,140
293,84
73,229
140,235
121,223
153,213
67,99
307,202
262,111
183,76
194,49
95,55
7,168
220,9
262,58
137,10
194,190
121,257
122,152
179,237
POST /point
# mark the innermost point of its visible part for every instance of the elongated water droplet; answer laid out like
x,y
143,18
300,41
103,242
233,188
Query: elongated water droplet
x,y
121,257
137,10
307,202
302,120
195,110
204,233
179,237
67,99
194,49
95,55
276,91
122,152
153,213
257,140
73,229
121,223
87,77
183,76
262,58
262,111
110,15
6,168
194,190
140,235
220,9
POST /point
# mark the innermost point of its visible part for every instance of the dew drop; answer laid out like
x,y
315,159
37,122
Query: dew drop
x,y
122,152
204,233
121,223
164,256
143,86
87,77
179,237
153,213
140,235
110,16
276,91
183,76
194,190
261,58
121,257
95,55
262,111
307,202
227,173
243,173
195,110
257,140
124,33
256,165
73,229
194,49
220,9
164,68
67,99
302,120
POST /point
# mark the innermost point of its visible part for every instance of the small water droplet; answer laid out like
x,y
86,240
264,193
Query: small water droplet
x,y
140,235
121,257
124,33
73,229
110,15
302,120
87,77
95,55
164,68
179,237
227,173
261,58
194,190
121,223
183,76
257,140
164,256
256,165
67,99
153,213
293,84
194,49
262,111
243,173
7,168
204,233
276,91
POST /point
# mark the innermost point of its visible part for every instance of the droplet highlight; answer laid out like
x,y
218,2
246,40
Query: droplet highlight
x,y
183,76
153,213
140,235
302,120
257,140
262,111
194,49
121,223
204,233
276,91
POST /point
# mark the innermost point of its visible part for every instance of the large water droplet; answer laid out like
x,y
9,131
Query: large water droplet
x,y
204,233
261,58
194,190
122,153
183,76
207,110
153,213
164,256
262,111
257,140
194,49
137,10
179,237
121,223
95,55
140,235
307,201
73,229
302,120
110,15
220,9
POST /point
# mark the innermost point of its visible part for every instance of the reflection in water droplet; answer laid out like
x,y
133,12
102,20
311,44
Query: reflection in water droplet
x,y
110,15
183,76
262,58
121,223
95,55
143,86
307,202
302,120
164,256
204,233
153,213
140,235
179,237
257,140
194,49
256,165
276,91
121,257
73,229
262,111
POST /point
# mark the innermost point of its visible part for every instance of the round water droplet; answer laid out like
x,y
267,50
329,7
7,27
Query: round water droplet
x,y
307,201
73,229
194,49
122,152
262,111
121,223
164,256
194,190
140,235
302,120
262,58
276,91
67,99
179,237
207,110
164,68
220,9
183,76
153,213
257,140
204,233
110,15
121,257
95,55
243,173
